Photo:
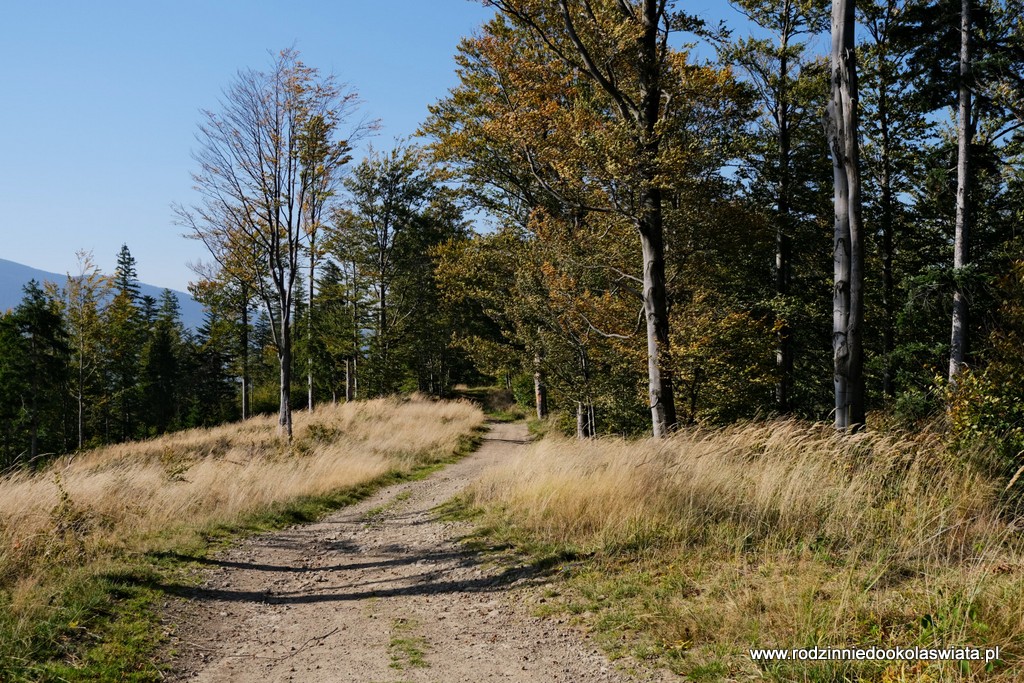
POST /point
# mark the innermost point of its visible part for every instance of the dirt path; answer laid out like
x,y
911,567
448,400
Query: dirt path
x,y
379,592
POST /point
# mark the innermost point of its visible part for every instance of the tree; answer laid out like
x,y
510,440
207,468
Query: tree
x,y
586,111
347,310
34,371
265,161
388,193
848,295
966,58
894,130
83,300
126,277
206,370
162,366
125,334
964,136
780,73
622,48
316,147
228,328
425,343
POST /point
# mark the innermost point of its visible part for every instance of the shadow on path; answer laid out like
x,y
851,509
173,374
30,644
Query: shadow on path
x,y
430,582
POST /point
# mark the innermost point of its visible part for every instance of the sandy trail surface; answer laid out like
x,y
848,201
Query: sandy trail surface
x,y
380,592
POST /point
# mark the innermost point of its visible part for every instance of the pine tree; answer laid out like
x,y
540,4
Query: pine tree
x,y
125,335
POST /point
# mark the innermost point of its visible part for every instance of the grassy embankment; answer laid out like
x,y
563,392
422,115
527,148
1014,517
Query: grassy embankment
x,y
691,550
86,545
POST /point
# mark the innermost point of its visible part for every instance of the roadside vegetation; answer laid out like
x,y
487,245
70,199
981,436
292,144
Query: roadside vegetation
x,y
86,544
689,551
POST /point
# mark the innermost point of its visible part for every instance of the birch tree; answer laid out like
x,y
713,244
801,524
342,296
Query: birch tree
x,y
964,136
82,300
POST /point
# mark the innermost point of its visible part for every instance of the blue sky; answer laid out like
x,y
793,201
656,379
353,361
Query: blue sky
x,y
101,102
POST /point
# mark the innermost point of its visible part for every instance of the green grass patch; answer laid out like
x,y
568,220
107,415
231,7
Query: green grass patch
x,y
458,509
408,651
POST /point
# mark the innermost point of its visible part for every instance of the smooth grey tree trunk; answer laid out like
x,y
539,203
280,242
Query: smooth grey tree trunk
x,y
958,340
655,299
652,233
309,325
540,390
783,240
284,357
585,420
848,255
284,418
245,352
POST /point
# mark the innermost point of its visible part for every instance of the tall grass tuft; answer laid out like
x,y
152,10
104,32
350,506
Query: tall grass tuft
x,y
776,534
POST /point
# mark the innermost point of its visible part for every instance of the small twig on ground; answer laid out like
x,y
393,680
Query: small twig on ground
x,y
300,648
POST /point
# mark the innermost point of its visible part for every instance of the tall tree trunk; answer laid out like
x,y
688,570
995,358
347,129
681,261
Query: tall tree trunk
x,y
584,408
886,227
585,420
783,243
540,389
655,298
958,341
34,429
848,302
245,351
284,356
349,376
383,371
309,325
354,378
652,232
540,393
81,391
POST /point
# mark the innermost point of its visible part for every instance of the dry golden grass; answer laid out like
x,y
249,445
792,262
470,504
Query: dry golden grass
x,y
774,535
131,495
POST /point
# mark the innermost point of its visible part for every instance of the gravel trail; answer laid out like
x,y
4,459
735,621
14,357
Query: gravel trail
x,y
379,592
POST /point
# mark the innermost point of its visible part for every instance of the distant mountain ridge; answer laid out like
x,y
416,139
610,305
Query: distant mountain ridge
x,y
14,276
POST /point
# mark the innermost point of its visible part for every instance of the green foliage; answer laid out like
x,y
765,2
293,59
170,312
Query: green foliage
x,y
985,404
389,321
86,363
34,364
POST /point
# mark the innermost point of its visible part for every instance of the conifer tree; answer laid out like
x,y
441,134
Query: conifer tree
x,y
34,360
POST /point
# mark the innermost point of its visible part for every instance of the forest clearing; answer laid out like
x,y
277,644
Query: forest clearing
x,y
529,560
667,342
